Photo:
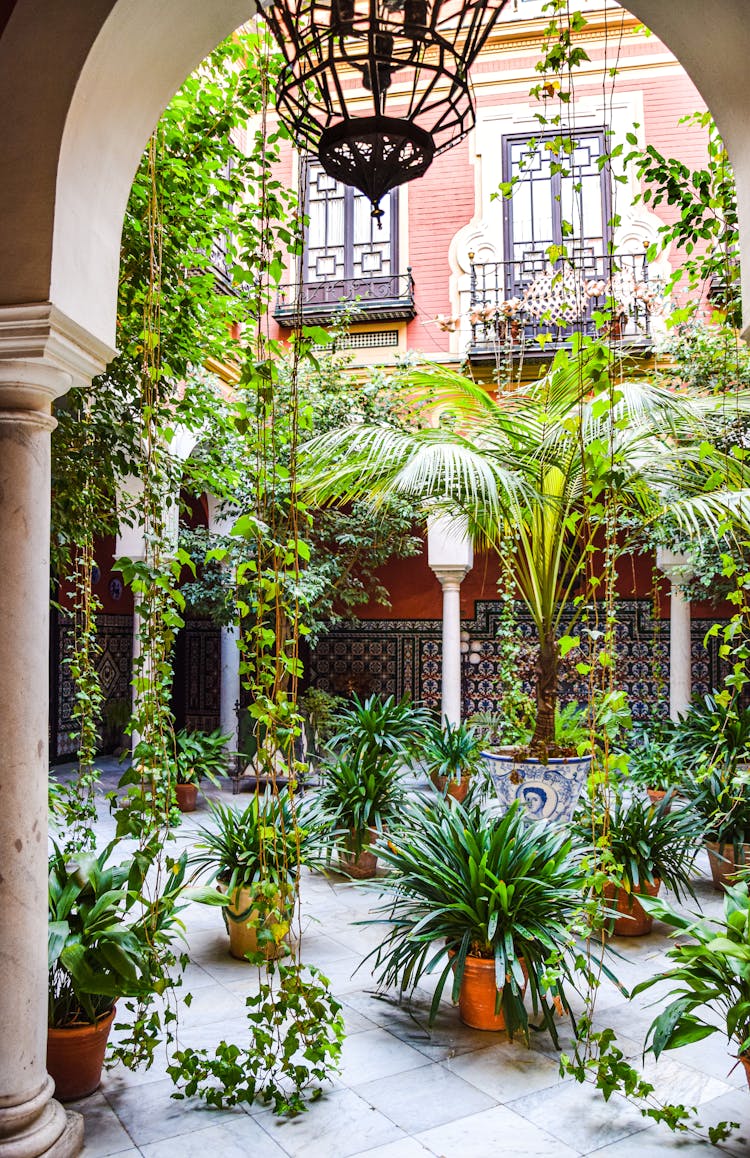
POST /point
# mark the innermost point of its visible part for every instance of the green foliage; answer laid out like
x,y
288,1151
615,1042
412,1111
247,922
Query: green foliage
x,y
452,751
640,843
710,975
704,215
720,797
550,464
652,761
360,791
714,730
261,842
198,755
375,728
297,1031
319,709
468,883
107,934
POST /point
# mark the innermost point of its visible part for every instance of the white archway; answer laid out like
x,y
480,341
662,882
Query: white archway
x,y
82,82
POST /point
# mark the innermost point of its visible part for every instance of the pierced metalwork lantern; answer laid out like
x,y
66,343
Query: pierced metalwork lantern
x,y
411,58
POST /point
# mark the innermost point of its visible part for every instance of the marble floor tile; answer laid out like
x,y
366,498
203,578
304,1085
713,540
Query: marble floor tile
x,y
494,1132
506,1071
104,1133
150,1114
579,1116
340,1124
235,1139
429,1096
375,1053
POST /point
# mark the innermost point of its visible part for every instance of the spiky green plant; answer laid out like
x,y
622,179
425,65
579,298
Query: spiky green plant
x,y
467,883
377,727
451,751
261,842
359,793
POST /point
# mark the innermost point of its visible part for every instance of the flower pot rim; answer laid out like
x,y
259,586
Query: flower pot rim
x,y
78,1026
516,756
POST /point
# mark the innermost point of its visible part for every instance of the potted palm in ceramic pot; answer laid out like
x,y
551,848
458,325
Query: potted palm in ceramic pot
x,y
519,468
484,903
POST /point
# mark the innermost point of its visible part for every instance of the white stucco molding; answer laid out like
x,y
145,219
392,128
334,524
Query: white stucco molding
x,y
43,354
676,565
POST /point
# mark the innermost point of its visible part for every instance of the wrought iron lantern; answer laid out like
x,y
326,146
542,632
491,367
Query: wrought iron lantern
x,y
376,88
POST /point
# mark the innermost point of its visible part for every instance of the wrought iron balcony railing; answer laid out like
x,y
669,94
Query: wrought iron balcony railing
x,y
383,298
533,307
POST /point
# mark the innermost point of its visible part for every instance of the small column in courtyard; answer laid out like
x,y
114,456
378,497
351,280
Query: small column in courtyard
x,y
678,570
450,556
221,521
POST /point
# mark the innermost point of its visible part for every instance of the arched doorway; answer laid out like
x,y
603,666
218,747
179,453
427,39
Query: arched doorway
x,y
81,86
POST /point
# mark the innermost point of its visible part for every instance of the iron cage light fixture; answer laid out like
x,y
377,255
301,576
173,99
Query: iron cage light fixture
x,y
412,58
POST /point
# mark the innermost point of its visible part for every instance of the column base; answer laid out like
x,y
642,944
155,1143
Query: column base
x,y
67,1145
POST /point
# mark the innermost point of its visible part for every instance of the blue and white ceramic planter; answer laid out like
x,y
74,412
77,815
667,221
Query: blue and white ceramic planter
x,y
547,791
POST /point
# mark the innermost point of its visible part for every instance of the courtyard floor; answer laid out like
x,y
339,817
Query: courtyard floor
x,y
404,1091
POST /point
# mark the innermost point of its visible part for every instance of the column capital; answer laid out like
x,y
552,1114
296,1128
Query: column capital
x,y
676,565
450,575
43,353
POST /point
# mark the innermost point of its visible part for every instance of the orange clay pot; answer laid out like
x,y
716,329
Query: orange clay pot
x,y
656,795
75,1056
478,994
723,863
635,921
447,786
745,1059
187,796
364,866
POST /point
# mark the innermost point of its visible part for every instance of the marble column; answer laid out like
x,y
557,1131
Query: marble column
x,y
42,355
449,554
230,683
678,570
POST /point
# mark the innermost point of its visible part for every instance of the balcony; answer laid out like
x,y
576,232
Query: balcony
x,y
386,298
532,308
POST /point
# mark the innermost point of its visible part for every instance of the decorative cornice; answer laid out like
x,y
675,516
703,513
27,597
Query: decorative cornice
x,y
43,353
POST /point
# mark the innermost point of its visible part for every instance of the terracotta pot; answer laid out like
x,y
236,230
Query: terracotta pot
x,y
635,921
75,1057
723,864
745,1059
242,921
656,795
363,866
187,796
447,786
478,994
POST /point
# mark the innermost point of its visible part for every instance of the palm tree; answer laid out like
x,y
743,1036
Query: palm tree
x,y
549,465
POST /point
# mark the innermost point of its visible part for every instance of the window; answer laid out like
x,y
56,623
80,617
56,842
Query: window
x,y
343,240
544,198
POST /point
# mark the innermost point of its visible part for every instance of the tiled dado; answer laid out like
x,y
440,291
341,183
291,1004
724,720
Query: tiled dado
x,y
403,656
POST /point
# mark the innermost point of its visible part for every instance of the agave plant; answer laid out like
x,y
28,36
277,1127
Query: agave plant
x,y
524,465
466,884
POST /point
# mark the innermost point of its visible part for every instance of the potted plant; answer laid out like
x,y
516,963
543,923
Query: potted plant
x,y
450,756
252,854
646,844
713,732
653,764
361,795
103,933
710,972
198,755
521,463
485,902
361,791
720,797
